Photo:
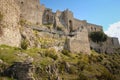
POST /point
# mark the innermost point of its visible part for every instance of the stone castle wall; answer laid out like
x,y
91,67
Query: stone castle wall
x,y
115,42
108,46
75,30
79,24
79,43
31,11
92,27
10,34
48,16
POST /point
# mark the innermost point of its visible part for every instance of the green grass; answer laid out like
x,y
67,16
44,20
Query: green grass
x,y
7,54
5,78
81,66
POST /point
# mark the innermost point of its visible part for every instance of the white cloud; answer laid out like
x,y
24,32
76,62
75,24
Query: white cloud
x,y
114,30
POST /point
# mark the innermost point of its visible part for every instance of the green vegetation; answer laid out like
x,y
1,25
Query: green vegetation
x,y
22,22
98,36
66,52
24,44
5,78
69,66
8,54
49,25
59,28
1,16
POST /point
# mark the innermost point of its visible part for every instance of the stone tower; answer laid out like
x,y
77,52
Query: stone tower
x,y
31,11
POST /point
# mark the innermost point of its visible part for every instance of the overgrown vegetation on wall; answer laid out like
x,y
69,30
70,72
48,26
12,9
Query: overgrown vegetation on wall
x,y
98,36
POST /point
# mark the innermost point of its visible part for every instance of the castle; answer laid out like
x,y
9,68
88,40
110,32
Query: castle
x,y
74,30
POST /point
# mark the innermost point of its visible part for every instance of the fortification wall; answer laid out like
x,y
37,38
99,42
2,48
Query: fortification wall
x,y
79,43
48,16
59,21
115,42
108,46
9,27
79,24
93,27
68,19
30,11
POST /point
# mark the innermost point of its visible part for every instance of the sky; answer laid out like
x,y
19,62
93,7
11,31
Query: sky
x,y
102,12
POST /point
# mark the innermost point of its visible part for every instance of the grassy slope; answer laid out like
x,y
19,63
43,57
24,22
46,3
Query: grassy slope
x,y
70,66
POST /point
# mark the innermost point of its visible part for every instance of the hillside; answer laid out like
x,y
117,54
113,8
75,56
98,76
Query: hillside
x,y
38,44
47,64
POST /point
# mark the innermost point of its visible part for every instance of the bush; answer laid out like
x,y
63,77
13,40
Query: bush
x,y
59,28
22,22
24,44
1,16
98,36
51,53
72,70
65,52
82,77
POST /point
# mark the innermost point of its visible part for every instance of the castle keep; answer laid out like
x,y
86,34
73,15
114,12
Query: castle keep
x,y
63,23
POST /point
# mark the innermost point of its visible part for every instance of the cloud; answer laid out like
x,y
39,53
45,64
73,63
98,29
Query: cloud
x,y
114,30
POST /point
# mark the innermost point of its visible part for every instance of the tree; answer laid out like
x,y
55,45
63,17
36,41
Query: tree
x,y
98,36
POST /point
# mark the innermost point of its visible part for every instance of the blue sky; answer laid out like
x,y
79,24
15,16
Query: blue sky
x,y
101,12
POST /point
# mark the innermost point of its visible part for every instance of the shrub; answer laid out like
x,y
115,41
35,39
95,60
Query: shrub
x,y
107,76
1,16
24,44
98,36
82,77
72,70
51,53
22,22
65,52
59,28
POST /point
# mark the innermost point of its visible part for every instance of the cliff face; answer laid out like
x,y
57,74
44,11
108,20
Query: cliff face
x,y
9,26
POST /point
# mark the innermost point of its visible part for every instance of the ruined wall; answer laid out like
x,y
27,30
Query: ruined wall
x,y
78,43
92,27
115,42
108,46
48,16
59,22
31,11
10,34
68,19
65,20
79,24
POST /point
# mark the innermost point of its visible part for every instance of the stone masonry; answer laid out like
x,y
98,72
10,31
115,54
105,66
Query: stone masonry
x,y
76,31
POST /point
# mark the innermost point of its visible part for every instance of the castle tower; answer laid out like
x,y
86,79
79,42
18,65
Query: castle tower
x,y
31,11
69,19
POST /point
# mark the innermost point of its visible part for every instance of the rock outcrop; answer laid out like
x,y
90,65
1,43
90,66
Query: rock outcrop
x,y
20,71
